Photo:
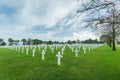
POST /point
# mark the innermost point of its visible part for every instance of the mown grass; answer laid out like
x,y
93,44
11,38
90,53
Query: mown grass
x,y
99,64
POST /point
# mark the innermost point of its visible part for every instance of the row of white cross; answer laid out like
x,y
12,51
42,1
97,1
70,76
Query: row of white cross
x,y
59,55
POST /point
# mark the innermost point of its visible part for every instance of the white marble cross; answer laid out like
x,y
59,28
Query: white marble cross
x,y
12,47
79,47
45,48
76,52
31,47
22,49
16,48
39,48
19,49
62,50
56,47
72,49
84,50
43,53
89,48
59,57
33,52
27,51
35,46
52,50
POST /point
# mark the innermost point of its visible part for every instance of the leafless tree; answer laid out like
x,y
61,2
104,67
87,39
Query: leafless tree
x,y
107,21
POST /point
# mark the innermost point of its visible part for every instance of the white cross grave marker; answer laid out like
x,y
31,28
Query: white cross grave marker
x,y
79,47
22,49
72,49
19,49
43,53
84,50
27,51
76,52
33,52
39,48
56,47
52,50
89,48
16,49
59,57
62,50
45,48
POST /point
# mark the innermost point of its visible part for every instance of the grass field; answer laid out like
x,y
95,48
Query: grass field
x,y
99,64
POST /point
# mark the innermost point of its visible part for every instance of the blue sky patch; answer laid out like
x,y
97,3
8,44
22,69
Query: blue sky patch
x,y
7,10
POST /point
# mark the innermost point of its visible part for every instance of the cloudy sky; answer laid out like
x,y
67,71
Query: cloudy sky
x,y
42,19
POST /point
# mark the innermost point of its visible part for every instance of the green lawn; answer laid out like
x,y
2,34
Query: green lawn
x,y
99,64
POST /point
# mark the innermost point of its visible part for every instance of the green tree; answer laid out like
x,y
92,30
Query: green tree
x,y
2,43
107,39
36,41
69,42
10,40
24,41
49,42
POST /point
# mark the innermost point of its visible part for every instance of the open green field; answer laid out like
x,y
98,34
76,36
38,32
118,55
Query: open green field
x,y
99,64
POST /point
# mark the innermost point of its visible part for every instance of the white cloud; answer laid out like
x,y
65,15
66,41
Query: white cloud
x,y
36,12
43,12
84,35
31,13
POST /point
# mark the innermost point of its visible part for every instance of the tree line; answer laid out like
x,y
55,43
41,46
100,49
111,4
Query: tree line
x,y
30,41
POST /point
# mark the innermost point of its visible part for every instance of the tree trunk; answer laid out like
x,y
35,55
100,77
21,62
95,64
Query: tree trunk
x,y
113,28
110,42
113,48
113,37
